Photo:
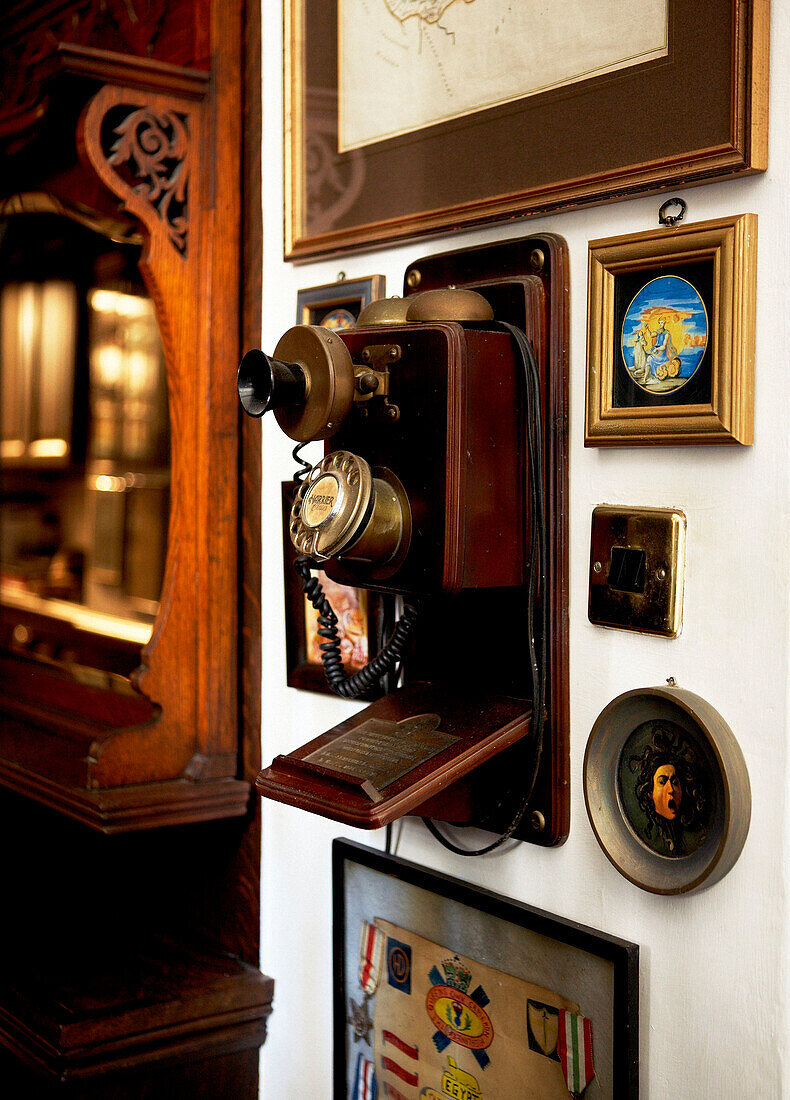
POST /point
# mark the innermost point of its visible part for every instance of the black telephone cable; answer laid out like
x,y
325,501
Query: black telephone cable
x,y
389,657
304,465
349,687
537,580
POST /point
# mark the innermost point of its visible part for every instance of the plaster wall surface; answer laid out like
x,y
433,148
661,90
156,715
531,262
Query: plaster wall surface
x,y
714,966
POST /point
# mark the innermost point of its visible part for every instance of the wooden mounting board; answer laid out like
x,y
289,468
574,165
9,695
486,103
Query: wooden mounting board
x,y
526,281
469,661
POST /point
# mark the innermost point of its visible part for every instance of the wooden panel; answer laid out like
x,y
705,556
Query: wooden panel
x,y
506,274
201,1076
134,971
121,1013
156,151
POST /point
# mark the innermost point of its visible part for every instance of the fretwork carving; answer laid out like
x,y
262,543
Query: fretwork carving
x,y
153,147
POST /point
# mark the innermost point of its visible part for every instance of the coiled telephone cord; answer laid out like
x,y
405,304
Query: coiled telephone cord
x,y
349,687
304,465
389,656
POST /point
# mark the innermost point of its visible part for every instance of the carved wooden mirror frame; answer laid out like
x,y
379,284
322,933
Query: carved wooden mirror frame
x,y
166,142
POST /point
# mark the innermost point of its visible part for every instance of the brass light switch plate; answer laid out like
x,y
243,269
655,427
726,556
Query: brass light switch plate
x,y
637,563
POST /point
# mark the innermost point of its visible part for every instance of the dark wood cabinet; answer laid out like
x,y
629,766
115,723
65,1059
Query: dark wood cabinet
x,y
131,875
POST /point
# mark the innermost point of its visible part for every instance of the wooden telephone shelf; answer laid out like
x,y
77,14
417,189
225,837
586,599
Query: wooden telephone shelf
x,y
475,727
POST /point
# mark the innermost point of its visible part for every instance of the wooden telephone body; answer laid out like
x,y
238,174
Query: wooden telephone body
x,y
456,445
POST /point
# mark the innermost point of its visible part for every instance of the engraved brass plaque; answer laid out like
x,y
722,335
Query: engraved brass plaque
x,y
381,751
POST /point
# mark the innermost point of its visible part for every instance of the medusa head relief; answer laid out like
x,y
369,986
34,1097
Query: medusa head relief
x,y
666,788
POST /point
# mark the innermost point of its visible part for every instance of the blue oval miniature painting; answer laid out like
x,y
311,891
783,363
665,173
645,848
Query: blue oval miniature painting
x,y
665,333
339,320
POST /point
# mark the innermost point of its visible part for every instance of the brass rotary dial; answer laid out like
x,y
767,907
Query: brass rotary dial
x,y
342,510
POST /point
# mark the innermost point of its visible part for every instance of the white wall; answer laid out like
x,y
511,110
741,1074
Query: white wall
x,y
714,973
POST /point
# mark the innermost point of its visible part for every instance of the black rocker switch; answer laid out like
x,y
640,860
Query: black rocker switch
x,y
627,569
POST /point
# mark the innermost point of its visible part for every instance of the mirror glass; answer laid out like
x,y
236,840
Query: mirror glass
x,y
84,446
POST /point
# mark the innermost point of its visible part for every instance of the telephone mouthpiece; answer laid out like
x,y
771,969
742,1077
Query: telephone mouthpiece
x,y
267,383
309,382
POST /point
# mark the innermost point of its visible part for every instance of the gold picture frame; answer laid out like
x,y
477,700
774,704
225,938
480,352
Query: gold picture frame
x,y
670,335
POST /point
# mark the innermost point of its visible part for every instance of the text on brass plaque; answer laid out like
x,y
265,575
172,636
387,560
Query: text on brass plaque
x,y
382,751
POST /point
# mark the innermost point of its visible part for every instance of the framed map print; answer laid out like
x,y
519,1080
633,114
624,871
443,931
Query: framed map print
x,y
405,117
445,990
434,68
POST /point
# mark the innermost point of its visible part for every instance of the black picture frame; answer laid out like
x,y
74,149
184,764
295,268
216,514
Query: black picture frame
x,y
346,298
626,394
365,877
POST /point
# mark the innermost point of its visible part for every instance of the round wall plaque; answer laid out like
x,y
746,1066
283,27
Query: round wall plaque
x,y
667,790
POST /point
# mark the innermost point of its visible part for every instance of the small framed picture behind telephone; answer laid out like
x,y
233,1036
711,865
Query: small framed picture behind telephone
x,y
358,618
337,305
670,335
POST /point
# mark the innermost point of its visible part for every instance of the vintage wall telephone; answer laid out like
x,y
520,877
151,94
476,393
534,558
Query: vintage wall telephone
x,y
443,482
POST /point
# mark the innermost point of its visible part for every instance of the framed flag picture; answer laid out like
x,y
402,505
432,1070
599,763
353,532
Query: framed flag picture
x,y
443,989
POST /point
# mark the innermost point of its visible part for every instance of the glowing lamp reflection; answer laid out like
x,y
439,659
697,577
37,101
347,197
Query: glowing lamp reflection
x,y
107,483
114,301
48,448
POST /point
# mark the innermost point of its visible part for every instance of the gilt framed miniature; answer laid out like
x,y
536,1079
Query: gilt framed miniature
x,y
337,305
407,117
667,790
670,335
446,990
